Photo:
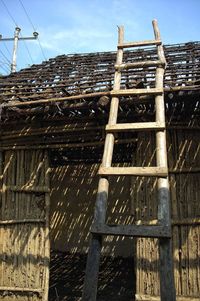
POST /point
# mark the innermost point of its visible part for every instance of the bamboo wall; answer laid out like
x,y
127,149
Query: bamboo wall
x,y
24,229
133,200
24,217
184,163
73,195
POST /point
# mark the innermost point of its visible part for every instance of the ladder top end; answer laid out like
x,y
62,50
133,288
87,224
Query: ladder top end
x,y
120,27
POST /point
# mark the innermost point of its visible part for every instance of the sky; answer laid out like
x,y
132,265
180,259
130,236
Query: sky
x,y
82,26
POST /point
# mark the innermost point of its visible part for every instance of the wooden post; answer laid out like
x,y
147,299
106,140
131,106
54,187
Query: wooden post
x,y
167,287
93,259
47,216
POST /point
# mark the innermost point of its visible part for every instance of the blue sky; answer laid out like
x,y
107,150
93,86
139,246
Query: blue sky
x,y
75,26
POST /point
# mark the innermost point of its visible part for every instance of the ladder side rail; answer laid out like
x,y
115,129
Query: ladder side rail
x,y
110,138
167,287
94,253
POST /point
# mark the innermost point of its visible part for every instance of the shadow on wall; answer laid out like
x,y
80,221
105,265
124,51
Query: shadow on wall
x,y
73,196
74,189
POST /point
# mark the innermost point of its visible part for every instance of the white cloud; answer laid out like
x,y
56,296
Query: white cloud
x,y
78,40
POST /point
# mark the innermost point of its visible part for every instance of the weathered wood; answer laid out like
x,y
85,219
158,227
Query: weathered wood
x,y
81,74
134,171
193,222
141,126
183,150
22,221
83,129
192,169
139,64
20,289
92,268
64,145
47,225
54,100
128,92
138,44
23,226
167,287
27,188
175,222
139,297
132,230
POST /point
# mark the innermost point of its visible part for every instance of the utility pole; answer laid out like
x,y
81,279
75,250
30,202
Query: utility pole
x,y
15,45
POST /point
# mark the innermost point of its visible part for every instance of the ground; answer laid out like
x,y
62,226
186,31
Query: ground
x,y
116,279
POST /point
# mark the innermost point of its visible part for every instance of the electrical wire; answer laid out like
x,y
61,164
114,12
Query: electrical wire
x,y
34,29
5,68
26,46
14,21
5,63
44,56
27,15
5,57
10,55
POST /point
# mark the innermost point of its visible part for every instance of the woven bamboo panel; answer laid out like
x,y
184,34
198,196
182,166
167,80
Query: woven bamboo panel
x,y
73,192
24,232
183,154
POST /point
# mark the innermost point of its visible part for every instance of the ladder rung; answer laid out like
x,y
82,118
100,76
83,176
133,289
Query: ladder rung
x,y
132,230
154,171
120,127
140,43
139,64
127,92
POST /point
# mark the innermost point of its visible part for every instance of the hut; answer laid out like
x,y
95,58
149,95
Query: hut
x,y
53,118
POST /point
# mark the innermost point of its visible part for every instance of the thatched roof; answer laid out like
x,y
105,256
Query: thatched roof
x,y
64,78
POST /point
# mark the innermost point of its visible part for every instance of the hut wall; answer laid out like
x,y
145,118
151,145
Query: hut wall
x,y
74,190
24,226
184,167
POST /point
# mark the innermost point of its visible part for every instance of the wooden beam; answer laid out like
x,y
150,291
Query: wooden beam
x,y
93,259
175,222
27,188
128,92
139,64
134,171
21,221
21,289
52,101
139,297
139,44
65,145
55,99
132,230
140,126
167,286
192,169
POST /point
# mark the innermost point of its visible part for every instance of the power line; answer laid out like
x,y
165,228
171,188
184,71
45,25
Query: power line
x,y
14,21
4,63
9,13
5,57
15,40
26,46
44,56
5,68
29,19
7,50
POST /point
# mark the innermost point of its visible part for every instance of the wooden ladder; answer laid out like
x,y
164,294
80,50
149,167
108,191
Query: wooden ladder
x,y
162,230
